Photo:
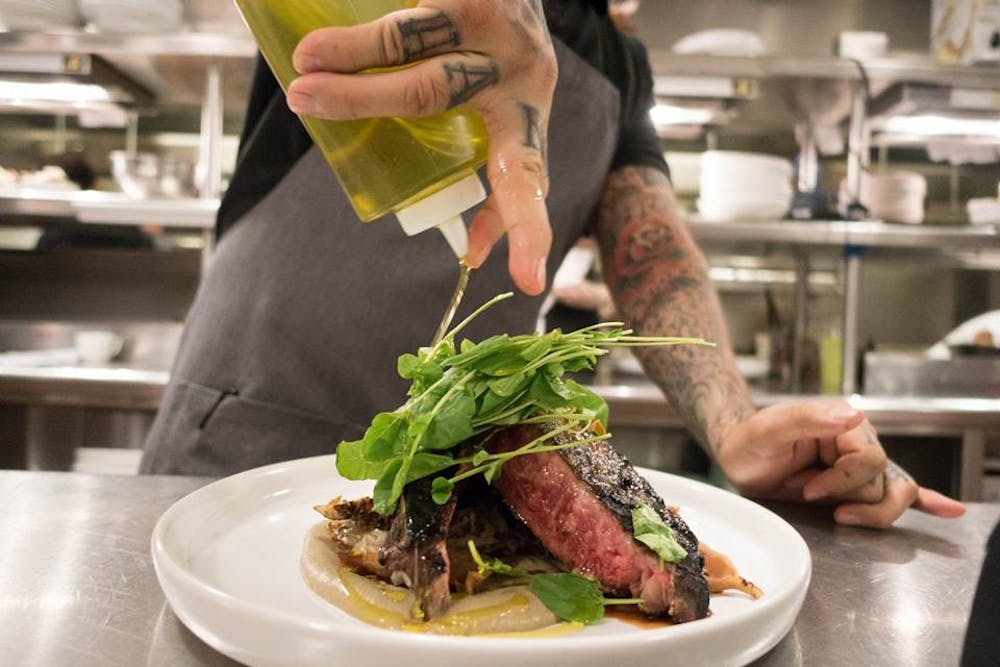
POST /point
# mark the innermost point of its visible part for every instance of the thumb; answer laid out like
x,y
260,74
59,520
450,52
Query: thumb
x,y
937,504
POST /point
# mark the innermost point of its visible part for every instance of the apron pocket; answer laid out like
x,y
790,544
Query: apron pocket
x,y
212,432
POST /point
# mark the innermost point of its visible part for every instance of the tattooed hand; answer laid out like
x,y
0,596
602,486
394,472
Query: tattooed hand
x,y
825,451
495,57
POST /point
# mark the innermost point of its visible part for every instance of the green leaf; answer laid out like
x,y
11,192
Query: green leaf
x,y
385,438
441,490
502,363
467,346
492,471
407,365
495,566
452,424
544,395
588,402
510,386
384,494
537,350
650,529
480,457
352,464
425,464
569,596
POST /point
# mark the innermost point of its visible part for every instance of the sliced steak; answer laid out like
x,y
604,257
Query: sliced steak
x,y
415,553
579,501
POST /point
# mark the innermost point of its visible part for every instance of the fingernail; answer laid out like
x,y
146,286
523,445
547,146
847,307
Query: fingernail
x,y
848,519
811,494
842,414
304,62
540,274
300,102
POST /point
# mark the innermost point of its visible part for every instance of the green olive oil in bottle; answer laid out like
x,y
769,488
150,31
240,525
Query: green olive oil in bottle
x,y
423,170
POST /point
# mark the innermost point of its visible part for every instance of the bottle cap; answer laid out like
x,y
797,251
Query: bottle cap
x,y
443,210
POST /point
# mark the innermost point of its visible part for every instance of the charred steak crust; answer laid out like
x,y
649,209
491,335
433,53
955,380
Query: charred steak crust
x,y
614,481
415,553
579,501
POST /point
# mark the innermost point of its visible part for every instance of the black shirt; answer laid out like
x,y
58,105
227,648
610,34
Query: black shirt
x,y
273,139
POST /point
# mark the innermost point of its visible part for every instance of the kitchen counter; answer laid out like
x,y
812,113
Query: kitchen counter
x,y
77,584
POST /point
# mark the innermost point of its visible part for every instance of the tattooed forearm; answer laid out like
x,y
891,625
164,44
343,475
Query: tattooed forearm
x,y
660,282
426,36
465,81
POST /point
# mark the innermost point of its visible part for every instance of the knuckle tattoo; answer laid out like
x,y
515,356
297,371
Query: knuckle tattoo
x,y
420,37
465,81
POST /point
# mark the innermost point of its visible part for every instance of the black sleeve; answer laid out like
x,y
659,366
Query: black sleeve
x,y
271,143
982,644
638,144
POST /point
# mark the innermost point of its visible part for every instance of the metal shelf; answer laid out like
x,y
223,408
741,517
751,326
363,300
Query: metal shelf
x,y
911,68
201,44
866,233
110,208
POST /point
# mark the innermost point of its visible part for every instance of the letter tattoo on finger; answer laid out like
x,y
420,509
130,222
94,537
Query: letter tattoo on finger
x,y
465,81
425,36
534,134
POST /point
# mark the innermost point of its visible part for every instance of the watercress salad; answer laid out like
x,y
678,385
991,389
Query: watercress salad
x,y
458,391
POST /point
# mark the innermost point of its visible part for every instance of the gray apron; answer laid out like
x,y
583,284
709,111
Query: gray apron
x,y
291,343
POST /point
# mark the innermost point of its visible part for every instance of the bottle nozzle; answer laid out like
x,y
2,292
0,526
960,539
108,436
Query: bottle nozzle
x,y
444,210
457,236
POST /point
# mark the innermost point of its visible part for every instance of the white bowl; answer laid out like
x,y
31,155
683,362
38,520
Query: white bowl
x,y
95,348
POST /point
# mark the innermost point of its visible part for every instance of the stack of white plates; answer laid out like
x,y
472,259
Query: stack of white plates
x,y
38,15
129,16
737,185
896,196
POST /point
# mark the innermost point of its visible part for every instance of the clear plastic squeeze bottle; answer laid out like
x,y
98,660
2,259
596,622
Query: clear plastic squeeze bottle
x,y
423,170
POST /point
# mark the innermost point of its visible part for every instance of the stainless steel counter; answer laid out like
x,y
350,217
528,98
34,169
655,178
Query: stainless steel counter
x,y
77,585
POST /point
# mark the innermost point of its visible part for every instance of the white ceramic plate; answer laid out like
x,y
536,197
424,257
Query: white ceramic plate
x,y
227,557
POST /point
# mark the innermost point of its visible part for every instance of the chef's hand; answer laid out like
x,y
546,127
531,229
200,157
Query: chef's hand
x,y
494,57
825,451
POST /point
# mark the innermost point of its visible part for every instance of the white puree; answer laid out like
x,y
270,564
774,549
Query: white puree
x,y
501,611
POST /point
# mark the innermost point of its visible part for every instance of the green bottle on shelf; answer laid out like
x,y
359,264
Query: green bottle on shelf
x,y
422,169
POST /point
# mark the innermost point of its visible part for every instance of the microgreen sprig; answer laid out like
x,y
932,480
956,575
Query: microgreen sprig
x,y
460,391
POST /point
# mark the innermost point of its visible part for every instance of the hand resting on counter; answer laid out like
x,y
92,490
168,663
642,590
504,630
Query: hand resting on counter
x,y
494,57
825,451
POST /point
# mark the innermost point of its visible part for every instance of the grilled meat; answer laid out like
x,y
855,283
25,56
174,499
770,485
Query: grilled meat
x,y
415,553
358,533
578,502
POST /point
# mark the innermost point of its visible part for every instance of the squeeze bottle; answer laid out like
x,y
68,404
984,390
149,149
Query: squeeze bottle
x,y
423,169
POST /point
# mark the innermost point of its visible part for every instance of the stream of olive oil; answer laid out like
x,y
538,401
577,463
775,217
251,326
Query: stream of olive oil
x,y
464,270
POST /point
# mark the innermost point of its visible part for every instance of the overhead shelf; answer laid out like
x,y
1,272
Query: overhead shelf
x,y
865,233
911,68
208,45
110,208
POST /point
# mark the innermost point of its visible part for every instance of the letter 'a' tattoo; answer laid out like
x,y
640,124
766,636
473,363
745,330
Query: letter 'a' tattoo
x,y
465,81
422,37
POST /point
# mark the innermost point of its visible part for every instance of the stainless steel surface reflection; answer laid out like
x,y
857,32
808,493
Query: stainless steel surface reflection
x,y
77,585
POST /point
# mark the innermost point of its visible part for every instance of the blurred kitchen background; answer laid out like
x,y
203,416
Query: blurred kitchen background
x,y
840,161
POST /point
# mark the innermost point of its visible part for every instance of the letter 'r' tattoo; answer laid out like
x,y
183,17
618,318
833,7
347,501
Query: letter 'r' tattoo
x,y
425,36
533,133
